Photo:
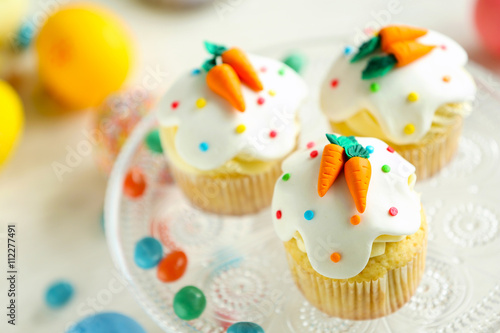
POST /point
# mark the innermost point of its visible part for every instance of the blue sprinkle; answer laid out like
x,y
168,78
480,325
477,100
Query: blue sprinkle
x,y
204,146
308,215
195,71
348,50
370,149
59,294
148,253
107,322
245,327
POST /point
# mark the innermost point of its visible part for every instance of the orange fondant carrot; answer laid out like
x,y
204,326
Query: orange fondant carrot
x,y
358,173
398,33
237,59
408,51
222,80
332,162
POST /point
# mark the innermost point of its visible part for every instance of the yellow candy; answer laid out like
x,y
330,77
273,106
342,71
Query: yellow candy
x,y
11,120
201,102
84,54
413,97
272,92
409,129
240,128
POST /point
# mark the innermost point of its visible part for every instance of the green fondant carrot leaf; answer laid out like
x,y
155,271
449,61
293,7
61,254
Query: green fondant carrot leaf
x,y
333,139
367,48
209,64
214,49
347,141
357,151
379,66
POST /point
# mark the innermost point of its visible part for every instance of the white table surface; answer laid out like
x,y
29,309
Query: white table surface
x,y
58,221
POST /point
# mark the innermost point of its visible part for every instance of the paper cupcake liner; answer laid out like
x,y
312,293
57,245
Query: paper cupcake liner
x,y
360,300
229,194
434,152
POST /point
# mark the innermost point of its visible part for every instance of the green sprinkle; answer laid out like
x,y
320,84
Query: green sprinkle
x,y
374,87
386,168
153,142
286,176
281,71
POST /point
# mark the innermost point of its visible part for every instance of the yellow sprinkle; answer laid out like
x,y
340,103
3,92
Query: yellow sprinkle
x,y
409,129
201,102
272,92
240,128
413,97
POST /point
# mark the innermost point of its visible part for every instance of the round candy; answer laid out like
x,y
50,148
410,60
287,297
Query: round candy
x,y
84,54
114,121
148,252
153,141
11,120
488,24
245,327
296,61
172,267
189,303
107,322
59,294
135,183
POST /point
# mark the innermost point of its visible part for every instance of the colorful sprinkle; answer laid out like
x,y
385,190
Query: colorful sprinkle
x,y
153,141
334,83
310,145
409,129
286,176
201,102
260,100
443,47
134,184
195,71
189,303
59,294
281,71
370,149
175,105
374,87
390,149
273,134
393,211
348,50
295,61
106,322
203,146
313,154
278,214
446,78
272,92
263,69
148,253
386,168
355,219
240,128
335,257
172,267
309,215
245,327
413,97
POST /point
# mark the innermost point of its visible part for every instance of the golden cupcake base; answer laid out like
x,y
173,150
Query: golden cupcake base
x,y
385,285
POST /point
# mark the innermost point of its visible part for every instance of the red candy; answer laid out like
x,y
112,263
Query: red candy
x,y
393,211
260,100
172,267
334,83
314,153
278,214
175,105
135,183
390,149
273,134
310,145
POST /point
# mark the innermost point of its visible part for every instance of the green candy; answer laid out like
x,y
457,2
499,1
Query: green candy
x,y
153,141
295,61
189,303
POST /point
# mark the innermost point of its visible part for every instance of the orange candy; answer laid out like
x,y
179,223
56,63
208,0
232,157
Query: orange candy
x,y
355,219
135,183
335,257
172,267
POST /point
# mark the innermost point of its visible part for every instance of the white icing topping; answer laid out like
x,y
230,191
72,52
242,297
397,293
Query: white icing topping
x,y
215,123
330,229
390,105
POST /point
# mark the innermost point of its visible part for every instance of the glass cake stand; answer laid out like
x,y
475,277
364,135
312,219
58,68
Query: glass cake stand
x,y
240,264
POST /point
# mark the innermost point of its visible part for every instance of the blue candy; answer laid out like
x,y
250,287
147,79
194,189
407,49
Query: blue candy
x,y
107,322
245,327
148,253
59,294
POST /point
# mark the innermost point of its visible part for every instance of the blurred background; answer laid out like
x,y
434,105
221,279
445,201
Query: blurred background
x,y
54,165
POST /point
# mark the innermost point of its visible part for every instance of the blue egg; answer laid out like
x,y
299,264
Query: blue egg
x,y
107,322
245,327
59,294
148,253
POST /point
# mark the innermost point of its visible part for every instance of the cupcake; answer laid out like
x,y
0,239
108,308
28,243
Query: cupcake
x,y
227,127
354,232
406,86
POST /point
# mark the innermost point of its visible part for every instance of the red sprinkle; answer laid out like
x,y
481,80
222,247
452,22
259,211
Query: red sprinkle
x,y
263,69
278,214
314,153
175,105
393,211
273,134
334,83
390,149
260,100
443,47
310,145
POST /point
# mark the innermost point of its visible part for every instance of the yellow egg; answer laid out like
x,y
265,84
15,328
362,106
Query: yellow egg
x,y
84,54
11,120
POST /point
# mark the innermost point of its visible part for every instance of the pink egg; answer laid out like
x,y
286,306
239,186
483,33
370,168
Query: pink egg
x,y
487,17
